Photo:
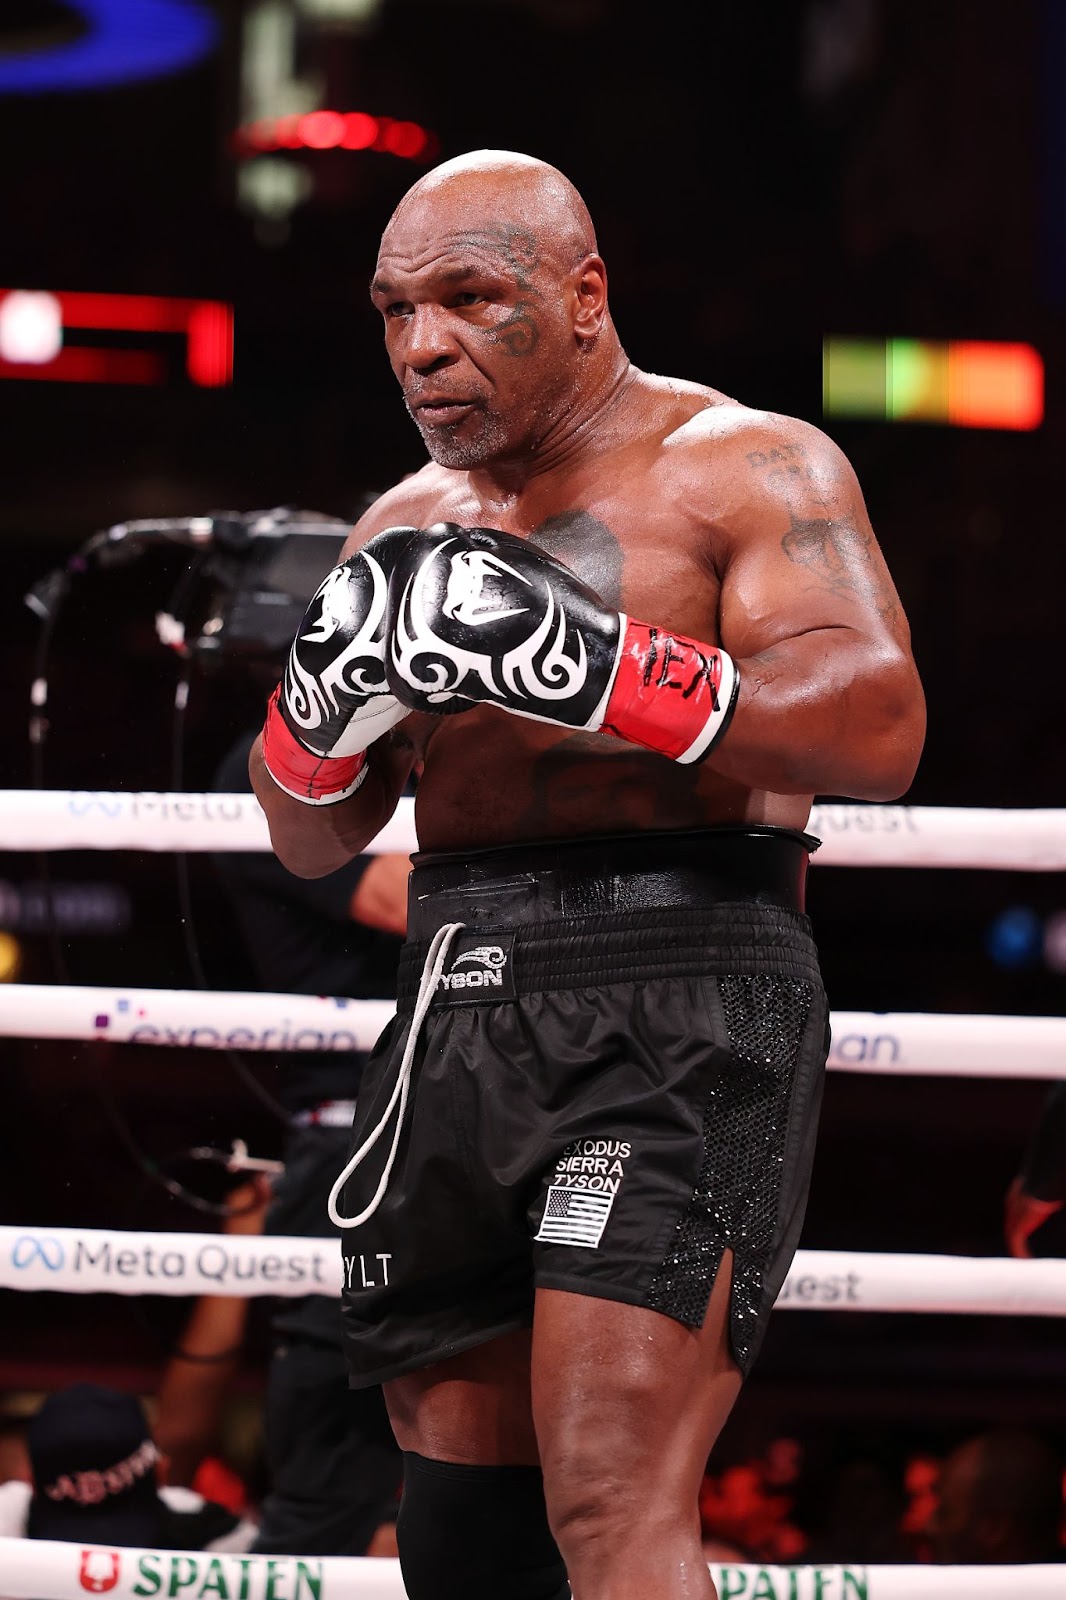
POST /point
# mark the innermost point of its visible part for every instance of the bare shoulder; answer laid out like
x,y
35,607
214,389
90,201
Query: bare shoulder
x,y
413,502
745,465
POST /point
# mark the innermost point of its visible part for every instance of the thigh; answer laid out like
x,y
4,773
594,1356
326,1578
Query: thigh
x,y
473,1408
627,1400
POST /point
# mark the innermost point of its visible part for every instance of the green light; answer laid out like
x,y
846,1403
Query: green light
x,y
855,377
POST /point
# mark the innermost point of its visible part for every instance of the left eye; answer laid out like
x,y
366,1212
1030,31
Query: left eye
x,y
469,298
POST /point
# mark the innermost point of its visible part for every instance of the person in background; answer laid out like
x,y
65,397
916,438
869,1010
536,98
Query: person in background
x,y
1038,1193
202,1367
334,1466
999,1500
96,1480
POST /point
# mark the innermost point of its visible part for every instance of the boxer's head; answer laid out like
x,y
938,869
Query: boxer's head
x,y
495,306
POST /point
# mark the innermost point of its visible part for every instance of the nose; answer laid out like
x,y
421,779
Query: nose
x,y
427,341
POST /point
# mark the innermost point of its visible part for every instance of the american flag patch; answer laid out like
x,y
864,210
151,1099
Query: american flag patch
x,y
575,1216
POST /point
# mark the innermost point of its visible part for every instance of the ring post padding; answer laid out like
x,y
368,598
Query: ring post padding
x,y
852,835
106,1260
47,1570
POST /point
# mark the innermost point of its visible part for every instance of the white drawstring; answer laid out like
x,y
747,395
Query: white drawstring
x,y
436,956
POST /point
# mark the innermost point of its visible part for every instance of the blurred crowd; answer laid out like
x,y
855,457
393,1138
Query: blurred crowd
x,y
89,1466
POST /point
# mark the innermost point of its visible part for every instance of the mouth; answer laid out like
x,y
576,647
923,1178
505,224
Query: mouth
x,y
443,412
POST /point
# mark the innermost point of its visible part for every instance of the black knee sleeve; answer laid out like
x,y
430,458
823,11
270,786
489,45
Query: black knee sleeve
x,y
472,1531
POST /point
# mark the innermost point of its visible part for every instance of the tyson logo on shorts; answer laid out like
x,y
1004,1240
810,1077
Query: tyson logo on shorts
x,y
486,972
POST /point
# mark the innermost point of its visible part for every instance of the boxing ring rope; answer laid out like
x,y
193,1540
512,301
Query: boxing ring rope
x,y
107,1261
48,1570
72,1260
915,1043
852,835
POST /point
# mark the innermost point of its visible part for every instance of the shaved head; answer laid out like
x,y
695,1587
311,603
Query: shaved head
x,y
500,188
494,301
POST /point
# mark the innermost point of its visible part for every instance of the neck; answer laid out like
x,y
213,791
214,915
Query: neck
x,y
572,434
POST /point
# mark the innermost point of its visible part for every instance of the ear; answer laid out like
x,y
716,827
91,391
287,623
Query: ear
x,y
590,297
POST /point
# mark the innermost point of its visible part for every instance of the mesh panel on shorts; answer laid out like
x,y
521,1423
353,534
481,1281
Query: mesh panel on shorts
x,y
735,1202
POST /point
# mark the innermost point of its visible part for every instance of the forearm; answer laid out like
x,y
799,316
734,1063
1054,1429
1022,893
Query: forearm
x,y
817,714
196,1382
313,840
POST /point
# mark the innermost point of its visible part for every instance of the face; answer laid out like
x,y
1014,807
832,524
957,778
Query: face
x,y
478,332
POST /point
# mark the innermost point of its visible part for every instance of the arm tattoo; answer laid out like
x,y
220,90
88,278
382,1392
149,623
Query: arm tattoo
x,y
842,557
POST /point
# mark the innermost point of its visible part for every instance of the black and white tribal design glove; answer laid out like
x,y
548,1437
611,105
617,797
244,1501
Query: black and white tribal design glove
x,y
334,700
486,616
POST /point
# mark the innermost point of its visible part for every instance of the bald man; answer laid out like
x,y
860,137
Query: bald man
x,y
629,628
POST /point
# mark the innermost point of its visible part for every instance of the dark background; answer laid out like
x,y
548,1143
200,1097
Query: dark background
x,y
761,176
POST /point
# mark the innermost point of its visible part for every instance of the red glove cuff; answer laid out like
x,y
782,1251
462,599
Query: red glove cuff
x,y
314,779
670,694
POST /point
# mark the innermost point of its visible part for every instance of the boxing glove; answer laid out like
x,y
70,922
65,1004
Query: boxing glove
x,y
490,617
334,700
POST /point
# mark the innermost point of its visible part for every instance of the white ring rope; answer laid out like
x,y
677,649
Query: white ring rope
x,y
212,1019
48,1570
105,1260
852,835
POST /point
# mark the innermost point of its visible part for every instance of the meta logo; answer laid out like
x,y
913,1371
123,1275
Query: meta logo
x,y
81,802
28,1249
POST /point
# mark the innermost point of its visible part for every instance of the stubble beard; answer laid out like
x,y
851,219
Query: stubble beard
x,y
477,440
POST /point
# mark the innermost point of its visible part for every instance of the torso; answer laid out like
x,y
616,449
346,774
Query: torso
x,y
631,523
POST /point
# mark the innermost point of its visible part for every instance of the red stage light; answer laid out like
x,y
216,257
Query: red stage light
x,y
337,130
209,352
286,133
360,131
405,139
79,364
206,324
322,130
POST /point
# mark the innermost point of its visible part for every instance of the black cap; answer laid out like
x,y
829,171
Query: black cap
x,y
94,1469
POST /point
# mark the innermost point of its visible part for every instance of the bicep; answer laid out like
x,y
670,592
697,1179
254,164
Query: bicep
x,y
802,556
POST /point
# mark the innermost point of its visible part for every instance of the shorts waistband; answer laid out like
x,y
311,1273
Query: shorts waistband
x,y
542,882
624,909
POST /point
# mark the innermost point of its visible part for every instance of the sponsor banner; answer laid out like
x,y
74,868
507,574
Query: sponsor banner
x,y
958,1046
72,819
863,1041
47,1570
192,1018
841,1280
939,836
852,835
96,1260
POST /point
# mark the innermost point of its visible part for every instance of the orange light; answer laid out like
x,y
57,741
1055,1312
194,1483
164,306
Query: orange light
x,y
995,386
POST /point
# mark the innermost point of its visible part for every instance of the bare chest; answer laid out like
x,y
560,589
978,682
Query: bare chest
x,y
639,556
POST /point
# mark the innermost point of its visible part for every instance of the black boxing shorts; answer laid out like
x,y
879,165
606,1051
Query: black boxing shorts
x,y
616,1079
